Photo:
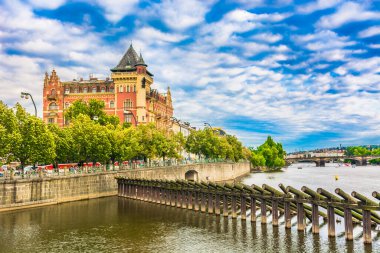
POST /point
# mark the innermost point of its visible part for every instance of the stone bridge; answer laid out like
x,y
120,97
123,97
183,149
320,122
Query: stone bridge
x,y
321,161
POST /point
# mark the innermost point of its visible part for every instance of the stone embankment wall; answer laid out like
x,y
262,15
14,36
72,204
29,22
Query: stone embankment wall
x,y
25,193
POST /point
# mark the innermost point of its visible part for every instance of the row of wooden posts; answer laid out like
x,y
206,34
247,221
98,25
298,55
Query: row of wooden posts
x,y
233,199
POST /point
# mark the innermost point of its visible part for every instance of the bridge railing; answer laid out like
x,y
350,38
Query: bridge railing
x,y
233,199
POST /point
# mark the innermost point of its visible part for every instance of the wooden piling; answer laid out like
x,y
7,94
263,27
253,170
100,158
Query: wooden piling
x,y
253,209
367,227
217,204
196,201
331,221
210,208
243,207
348,226
275,212
263,211
314,219
234,207
225,205
203,202
300,217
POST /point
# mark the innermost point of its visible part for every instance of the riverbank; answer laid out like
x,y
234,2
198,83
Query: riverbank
x,y
35,192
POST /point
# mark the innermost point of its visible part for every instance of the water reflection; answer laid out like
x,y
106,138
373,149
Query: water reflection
x,y
117,225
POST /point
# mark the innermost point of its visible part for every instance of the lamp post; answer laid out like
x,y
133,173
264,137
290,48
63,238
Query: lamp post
x,y
207,124
26,95
130,112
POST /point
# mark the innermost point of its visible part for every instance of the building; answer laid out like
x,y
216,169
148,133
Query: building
x,y
128,94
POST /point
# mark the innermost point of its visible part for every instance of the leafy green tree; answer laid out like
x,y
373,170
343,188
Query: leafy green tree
x,y
93,109
91,141
270,154
64,144
357,151
32,142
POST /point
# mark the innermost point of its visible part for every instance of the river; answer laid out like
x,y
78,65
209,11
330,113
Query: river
x,y
116,224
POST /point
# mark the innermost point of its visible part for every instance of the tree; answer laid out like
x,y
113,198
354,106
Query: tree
x,y
94,109
270,154
91,142
64,143
32,142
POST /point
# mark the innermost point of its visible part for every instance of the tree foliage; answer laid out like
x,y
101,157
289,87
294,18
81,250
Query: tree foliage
x,y
209,144
94,109
270,155
29,140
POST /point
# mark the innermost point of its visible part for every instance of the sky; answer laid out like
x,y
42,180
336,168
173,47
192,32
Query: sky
x,y
305,72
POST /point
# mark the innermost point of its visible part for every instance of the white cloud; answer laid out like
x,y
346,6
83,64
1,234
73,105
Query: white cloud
x,y
370,32
268,37
116,10
154,35
180,15
348,12
317,5
375,46
43,4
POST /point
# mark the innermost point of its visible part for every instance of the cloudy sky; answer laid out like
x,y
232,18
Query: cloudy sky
x,y
307,73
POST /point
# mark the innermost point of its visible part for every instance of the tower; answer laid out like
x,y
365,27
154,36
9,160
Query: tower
x,y
52,99
132,82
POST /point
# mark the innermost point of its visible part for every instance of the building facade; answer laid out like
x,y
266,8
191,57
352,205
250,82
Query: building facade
x,y
128,94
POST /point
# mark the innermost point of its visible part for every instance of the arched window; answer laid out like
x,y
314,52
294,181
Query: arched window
x,y
53,92
128,88
134,88
76,90
120,88
67,104
112,104
93,89
67,91
53,106
103,89
85,89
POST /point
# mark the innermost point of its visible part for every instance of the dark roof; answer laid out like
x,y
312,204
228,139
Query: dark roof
x,y
129,61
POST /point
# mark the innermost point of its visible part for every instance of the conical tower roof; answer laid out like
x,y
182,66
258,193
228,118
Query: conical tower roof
x,y
141,61
128,61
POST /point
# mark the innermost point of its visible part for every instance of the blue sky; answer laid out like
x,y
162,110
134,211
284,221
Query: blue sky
x,y
305,72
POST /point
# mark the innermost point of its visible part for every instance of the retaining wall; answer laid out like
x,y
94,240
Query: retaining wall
x,y
25,193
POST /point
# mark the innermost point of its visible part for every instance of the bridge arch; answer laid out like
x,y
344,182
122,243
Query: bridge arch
x,y
191,175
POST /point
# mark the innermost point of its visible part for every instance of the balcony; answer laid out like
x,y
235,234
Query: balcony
x,y
52,97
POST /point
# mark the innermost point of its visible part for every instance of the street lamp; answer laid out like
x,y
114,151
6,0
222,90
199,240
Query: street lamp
x,y
26,95
130,112
207,124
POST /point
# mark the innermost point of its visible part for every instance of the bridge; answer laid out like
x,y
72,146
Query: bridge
x,y
321,160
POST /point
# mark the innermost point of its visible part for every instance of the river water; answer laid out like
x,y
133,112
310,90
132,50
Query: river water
x,y
116,224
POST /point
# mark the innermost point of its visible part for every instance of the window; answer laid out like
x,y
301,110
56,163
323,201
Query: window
x,y
76,90
127,104
120,88
143,118
53,106
134,88
128,118
112,104
128,88
67,104
51,120
111,89
103,89
93,89
67,91
53,92
85,90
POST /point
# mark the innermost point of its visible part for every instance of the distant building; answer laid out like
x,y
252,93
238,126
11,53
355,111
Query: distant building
x,y
128,94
